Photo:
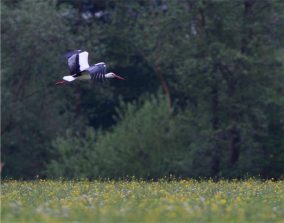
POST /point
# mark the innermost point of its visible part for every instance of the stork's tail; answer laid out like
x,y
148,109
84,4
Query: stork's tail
x,y
69,78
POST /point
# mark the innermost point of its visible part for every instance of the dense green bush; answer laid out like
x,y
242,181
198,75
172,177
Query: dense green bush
x,y
145,143
149,141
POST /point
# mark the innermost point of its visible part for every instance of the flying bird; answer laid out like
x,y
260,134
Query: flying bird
x,y
80,69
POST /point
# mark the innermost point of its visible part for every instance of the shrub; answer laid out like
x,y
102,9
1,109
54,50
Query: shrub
x,y
144,143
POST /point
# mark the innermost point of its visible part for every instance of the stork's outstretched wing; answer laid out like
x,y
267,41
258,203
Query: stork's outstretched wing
x,y
98,71
77,61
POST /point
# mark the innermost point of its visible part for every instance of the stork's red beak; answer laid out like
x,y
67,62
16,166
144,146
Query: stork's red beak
x,y
118,77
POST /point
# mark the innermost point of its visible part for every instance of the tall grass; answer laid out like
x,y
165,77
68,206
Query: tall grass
x,y
141,201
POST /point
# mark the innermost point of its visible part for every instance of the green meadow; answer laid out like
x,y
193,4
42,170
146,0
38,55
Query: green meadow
x,y
142,201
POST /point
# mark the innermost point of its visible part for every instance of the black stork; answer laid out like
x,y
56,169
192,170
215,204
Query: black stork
x,y
80,70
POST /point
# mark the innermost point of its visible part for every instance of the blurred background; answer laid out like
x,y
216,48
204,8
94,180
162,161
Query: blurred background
x,y
203,95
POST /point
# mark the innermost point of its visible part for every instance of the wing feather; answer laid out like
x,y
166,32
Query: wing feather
x,y
83,61
77,61
73,64
98,71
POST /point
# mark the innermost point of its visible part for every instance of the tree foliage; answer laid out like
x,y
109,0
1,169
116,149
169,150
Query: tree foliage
x,y
218,64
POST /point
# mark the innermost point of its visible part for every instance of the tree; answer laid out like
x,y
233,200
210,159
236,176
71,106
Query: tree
x,y
218,64
33,36
233,55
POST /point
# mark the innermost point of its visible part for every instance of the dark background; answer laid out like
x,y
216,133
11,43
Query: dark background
x,y
203,95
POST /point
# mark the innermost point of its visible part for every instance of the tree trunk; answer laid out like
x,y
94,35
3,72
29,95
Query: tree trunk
x,y
247,32
164,85
234,132
215,165
234,137
215,122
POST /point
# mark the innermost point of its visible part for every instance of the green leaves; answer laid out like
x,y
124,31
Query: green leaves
x,y
218,64
33,37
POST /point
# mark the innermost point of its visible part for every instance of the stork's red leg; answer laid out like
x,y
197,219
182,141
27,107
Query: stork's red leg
x,y
61,82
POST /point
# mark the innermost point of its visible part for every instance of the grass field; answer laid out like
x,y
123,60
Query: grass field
x,y
140,201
